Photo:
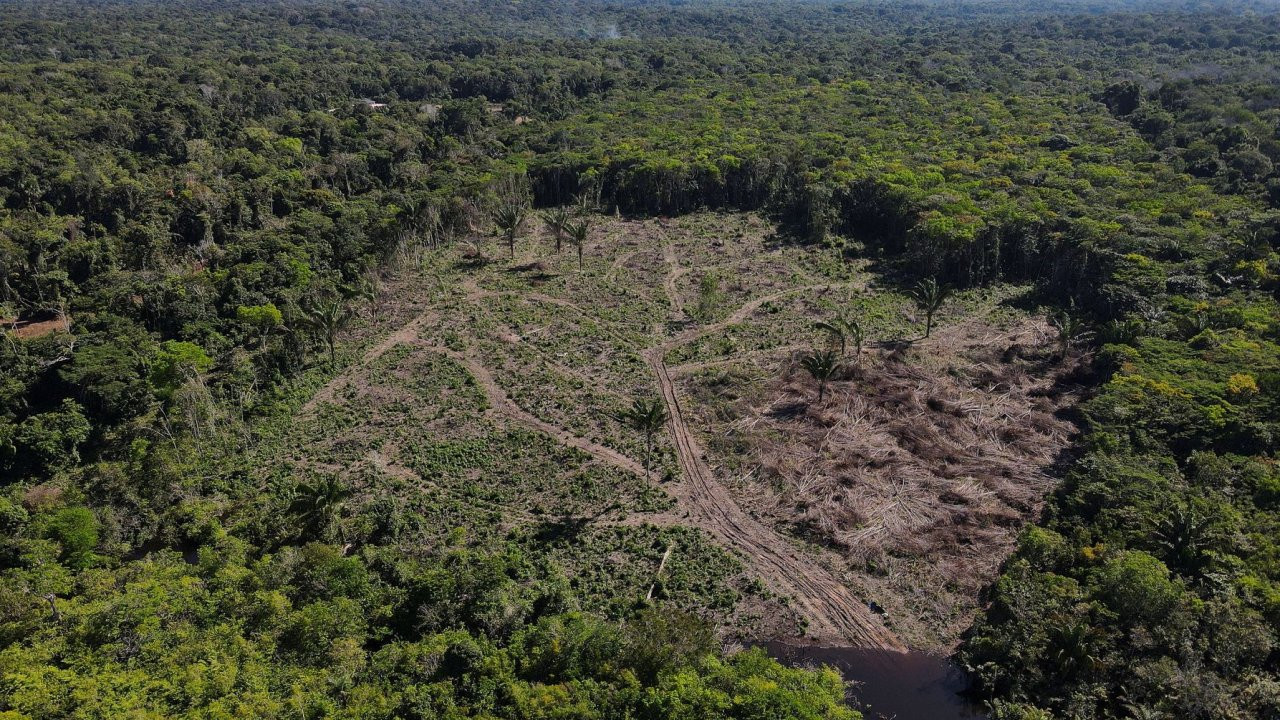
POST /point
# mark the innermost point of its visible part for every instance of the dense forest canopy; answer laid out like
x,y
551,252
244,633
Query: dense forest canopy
x,y
196,198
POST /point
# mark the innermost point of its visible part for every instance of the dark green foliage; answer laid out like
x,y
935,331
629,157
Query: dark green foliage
x,y
646,417
318,505
186,191
821,366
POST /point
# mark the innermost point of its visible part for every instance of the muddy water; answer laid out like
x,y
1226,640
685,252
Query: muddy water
x,y
889,685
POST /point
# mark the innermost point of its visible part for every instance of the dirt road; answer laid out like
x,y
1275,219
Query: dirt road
x,y
833,613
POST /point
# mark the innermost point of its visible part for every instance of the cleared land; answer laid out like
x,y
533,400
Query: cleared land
x,y
483,394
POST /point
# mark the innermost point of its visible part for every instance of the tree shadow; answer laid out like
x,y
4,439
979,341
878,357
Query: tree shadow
x,y
535,271
563,529
789,410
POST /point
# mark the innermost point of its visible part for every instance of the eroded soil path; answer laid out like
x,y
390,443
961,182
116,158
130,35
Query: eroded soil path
x,y
832,612
504,405
834,615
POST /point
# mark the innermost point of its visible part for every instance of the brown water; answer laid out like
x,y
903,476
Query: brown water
x,y
889,685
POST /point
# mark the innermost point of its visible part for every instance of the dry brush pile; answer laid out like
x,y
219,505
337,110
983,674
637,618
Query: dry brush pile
x,y
922,462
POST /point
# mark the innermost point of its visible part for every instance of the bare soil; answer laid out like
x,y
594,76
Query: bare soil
x,y
904,488
31,329
919,466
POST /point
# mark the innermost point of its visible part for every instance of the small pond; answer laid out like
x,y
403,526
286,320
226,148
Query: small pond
x,y
889,685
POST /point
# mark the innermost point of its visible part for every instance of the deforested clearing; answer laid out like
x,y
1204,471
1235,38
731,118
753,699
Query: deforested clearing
x,y
901,490
919,466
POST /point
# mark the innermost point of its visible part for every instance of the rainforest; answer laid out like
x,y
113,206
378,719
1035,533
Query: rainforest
x,y
533,359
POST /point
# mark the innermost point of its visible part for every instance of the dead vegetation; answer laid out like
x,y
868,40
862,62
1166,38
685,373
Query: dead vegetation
x,y
31,328
900,493
920,465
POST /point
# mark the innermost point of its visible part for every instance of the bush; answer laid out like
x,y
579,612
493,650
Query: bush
x,y
76,530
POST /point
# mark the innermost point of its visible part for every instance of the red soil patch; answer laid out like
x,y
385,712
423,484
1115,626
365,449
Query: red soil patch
x,y
29,329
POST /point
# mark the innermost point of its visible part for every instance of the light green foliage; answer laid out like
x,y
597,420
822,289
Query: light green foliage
x,y
76,531
186,189
709,296
260,317
1137,586
177,362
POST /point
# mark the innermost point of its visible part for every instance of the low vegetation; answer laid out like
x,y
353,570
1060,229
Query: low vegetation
x,y
963,311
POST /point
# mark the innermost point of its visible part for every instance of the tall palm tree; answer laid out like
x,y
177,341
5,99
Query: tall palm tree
x,y
557,221
509,217
929,296
328,319
646,417
822,365
844,330
319,504
578,236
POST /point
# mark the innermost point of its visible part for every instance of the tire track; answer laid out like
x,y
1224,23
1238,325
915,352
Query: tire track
x,y
833,613
504,405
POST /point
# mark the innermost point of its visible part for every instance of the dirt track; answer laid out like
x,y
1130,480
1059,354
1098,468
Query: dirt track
x,y
404,335
503,404
833,614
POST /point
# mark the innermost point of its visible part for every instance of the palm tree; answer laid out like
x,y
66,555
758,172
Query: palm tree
x,y
929,296
1071,330
822,365
1189,538
843,330
647,417
557,221
578,236
1072,647
320,503
508,217
327,319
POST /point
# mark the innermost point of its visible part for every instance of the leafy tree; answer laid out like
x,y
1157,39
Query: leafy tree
x,y
110,373
50,441
76,530
659,639
175,363
262,319
320,502
1071,331
327,318
509,217
557,221
578,232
